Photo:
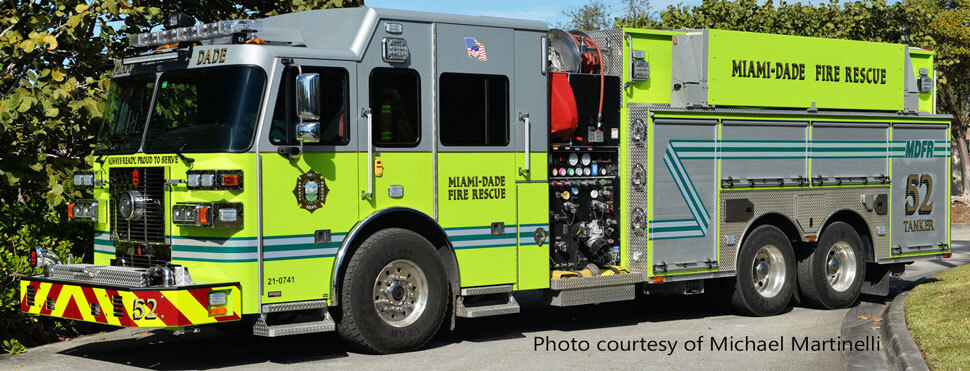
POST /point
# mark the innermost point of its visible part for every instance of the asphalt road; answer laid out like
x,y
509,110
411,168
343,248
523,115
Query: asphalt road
x,y
504,342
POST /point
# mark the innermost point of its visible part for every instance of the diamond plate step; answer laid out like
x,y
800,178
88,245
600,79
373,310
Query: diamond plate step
x,y
261,329
511,307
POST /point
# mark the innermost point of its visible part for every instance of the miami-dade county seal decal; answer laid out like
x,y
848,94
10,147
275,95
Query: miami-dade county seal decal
x,y
311,191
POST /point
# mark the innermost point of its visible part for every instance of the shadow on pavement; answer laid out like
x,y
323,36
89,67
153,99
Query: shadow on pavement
x,y
213,349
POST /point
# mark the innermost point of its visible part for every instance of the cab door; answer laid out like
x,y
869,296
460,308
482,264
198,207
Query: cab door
x,y
398,169
309,202
476,150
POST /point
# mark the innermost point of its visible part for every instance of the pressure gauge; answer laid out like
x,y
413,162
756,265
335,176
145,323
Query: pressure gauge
x,y
579,171
573,159
572,171
562,171
594,194
555,172
587,172
586,159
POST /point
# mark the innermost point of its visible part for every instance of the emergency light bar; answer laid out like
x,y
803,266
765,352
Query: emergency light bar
x,y
195,33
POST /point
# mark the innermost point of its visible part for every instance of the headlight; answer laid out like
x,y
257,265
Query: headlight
x,y
84,179
86,210
215,214
217,298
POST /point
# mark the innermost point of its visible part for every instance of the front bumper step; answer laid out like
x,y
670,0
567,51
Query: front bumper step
x,y
129,306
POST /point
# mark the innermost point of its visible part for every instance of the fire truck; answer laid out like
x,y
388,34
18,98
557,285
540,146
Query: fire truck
x,y
379,173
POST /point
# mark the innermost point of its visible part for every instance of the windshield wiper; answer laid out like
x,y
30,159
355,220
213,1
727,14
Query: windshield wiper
x,y
185,158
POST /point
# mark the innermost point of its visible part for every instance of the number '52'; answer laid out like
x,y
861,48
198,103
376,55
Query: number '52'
x,y
913,182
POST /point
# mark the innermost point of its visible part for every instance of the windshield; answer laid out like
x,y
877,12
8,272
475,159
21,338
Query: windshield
x,y
205,110
125,114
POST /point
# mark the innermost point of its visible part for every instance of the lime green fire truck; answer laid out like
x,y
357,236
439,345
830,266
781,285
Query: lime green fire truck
x,y
380,173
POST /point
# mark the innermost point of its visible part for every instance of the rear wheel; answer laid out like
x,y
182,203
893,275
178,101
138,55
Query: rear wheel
x,y
831,276
394,293
766,273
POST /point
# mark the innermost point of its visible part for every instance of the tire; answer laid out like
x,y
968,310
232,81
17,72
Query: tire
x,y
768,290
379,314
831,276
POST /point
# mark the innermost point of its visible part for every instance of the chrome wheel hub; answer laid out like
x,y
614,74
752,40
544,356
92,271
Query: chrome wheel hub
x,y
840,266
768,271
400,293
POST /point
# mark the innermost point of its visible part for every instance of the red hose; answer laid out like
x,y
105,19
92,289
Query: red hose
x,y
591,64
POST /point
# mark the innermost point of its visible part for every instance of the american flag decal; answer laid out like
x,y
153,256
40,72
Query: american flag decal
x,y
476,50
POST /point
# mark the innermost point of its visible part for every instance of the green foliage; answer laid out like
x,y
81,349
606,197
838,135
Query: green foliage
x,y
597,15
13,346
56,55
594,15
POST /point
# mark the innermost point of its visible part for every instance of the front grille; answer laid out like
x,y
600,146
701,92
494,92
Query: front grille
x,y
150,181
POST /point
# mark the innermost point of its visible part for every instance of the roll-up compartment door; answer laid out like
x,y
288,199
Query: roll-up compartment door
x,y
683,200
850,153
763,153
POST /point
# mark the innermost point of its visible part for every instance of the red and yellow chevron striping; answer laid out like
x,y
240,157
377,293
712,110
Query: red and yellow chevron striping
x,y
135,307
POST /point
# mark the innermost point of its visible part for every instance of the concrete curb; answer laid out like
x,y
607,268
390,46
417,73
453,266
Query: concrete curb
x,y
901,348
856,328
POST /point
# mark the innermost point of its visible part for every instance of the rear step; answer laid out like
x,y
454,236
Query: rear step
x,y
326,324
486,301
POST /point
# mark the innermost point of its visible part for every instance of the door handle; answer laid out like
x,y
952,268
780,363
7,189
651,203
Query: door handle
x,y
524,116
365,112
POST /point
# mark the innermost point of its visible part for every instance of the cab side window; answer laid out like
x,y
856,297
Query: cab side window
x,y
395,104
474,110
334,108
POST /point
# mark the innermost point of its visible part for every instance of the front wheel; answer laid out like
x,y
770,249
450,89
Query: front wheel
x,y
831,276
766,273
394,293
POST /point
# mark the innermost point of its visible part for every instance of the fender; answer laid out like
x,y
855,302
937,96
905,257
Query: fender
x,y
343,251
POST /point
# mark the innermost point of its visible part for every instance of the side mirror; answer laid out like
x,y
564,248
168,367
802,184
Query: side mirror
x,y
308,132
308,107
308,96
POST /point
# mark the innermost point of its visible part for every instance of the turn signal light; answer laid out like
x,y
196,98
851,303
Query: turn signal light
x,y
214,179
218,311
203,215
230,180
83,210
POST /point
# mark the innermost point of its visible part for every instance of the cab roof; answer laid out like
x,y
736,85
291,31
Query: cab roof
x,y
351,28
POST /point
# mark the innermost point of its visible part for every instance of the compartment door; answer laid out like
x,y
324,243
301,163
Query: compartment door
x,y
683,201
920,192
